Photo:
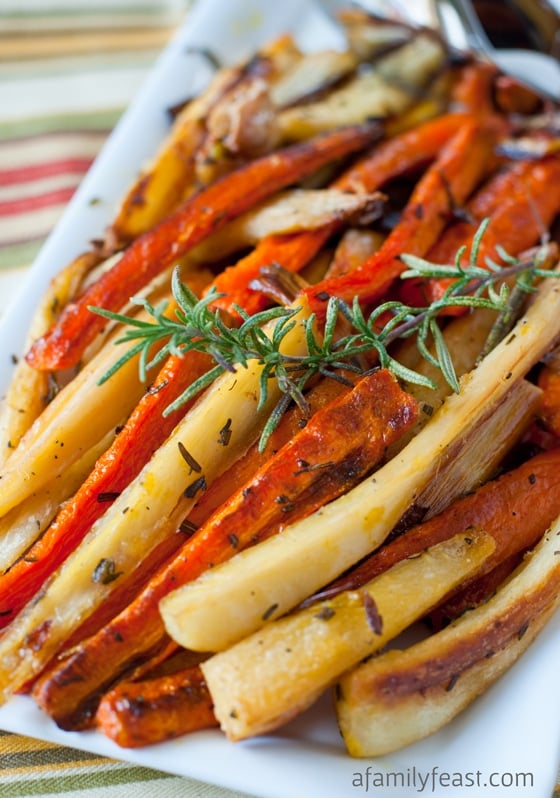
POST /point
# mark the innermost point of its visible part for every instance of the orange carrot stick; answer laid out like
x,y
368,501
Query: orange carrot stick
x,y
332,441
327,457
521,208
549,412
149,711
388,160
473,90
447,183
244,469
199,216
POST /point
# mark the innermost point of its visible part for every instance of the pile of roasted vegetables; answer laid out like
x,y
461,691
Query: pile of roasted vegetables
x,y
306,439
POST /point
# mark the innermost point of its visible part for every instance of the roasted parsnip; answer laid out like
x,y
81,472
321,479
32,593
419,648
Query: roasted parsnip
x,y
274,674
404,695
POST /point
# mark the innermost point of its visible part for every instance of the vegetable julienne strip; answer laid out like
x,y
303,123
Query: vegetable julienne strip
x,y
244,469
29,390
501,189
520,216
287,213
319,463
205,212
374,724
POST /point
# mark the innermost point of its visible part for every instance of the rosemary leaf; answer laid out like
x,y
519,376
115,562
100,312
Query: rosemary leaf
x,y
443,357
194,389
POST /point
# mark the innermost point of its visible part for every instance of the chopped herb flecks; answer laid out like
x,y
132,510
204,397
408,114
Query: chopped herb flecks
x,y
105,572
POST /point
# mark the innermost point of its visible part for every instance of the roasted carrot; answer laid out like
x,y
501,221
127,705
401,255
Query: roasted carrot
x,y
473,89
388,160
521,208
322,461
138,713
328,456
515,509
549,414
243,470
445,185
403,153
144,431
197,217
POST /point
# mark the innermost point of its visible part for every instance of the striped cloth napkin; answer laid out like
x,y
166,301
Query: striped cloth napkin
x,y
68,69
33,768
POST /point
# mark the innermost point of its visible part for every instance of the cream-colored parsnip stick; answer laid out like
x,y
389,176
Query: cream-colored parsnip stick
x,y
404,695
280,670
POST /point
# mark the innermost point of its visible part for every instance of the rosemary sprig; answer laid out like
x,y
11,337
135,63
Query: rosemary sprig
x,y
197,325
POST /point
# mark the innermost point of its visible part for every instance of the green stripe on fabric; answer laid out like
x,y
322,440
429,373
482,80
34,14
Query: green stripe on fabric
x,y
61,67
16,256
102,121
44,757
156,11
103,777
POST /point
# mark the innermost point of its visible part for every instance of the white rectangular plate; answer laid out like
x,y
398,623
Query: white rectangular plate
x,y
508,741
